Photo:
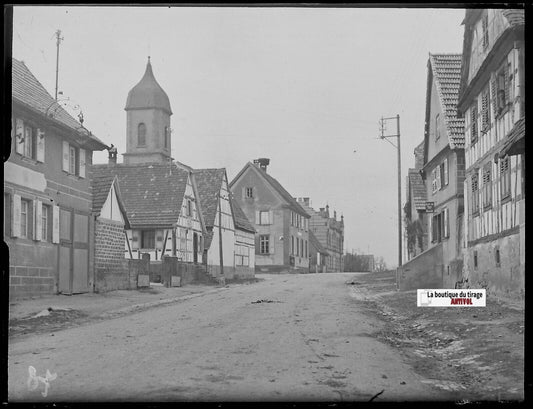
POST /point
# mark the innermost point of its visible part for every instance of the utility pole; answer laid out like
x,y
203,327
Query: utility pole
x,y
59,39
397,135
220,234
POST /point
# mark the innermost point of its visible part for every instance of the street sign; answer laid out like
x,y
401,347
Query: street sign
x,y
430,207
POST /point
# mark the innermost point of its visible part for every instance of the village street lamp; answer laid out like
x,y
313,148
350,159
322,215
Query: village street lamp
x,y
383,136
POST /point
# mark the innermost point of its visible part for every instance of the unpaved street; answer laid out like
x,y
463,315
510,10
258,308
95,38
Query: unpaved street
x,y
307,339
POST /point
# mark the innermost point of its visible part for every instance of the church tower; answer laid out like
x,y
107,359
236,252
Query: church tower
x,y
148,122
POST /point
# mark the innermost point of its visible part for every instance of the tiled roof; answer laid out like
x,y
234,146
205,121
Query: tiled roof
x,y
241,221
418,189
27,90
316,244
209,182
447,73
514,143
100,185
152,193
515,17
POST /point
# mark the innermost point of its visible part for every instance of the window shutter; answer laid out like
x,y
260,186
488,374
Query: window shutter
x,y
55,224
82,163
270,217
430,229
66,156
19,133
38,212
473,123
15,225
493,89
257,220
446,180
507,82
438,177
446,222
485,110
271,243
40,146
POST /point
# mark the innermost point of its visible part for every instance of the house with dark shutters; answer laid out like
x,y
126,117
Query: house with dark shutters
x,y
440,264
281,224
47,198
492,102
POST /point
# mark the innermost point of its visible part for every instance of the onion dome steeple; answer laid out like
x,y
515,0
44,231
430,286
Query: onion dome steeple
x,y
148,94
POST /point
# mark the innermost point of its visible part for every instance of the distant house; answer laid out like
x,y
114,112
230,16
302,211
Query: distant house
x,y
47,200
329,232
281,224
214,196
492,102
415,207
317,255
244,243
162,208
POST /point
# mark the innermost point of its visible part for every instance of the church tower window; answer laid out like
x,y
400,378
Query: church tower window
x,y
141,134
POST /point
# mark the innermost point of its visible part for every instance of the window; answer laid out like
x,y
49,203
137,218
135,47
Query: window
x,y
487,186
29,140
437,227
297,246
502,88
292,245
141,134
249,192
167,137
437,126
485,31
301,247
443,171
473,123
148,239
475,259
434,180
485,110
44,222
264,217
264,244
189,207
306,249
73,159
242,255
497,257
505,178
475,192
25,218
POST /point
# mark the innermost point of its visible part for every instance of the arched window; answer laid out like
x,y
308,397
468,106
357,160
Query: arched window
x,y
167,137
141,134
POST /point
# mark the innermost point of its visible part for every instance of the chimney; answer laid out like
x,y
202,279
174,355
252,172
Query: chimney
x,y
335,214
112,155
262,162
327,211
304,200
419,156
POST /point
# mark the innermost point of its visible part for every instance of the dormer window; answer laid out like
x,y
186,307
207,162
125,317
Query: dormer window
x,y
141,134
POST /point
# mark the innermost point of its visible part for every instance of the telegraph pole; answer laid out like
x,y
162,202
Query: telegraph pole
x,y
59,39
397,135
220,235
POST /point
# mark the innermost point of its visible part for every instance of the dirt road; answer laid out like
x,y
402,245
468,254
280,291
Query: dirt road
x,y
289,337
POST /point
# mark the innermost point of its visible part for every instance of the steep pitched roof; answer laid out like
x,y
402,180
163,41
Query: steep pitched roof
x,y
418,189
148,93
28,91
446,70
101,184
316,244
286,196
209,182
241,221
152,193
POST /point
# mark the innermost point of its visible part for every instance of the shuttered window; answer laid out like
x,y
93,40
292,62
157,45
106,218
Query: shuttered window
x,y
473,123
475,192
505,178
29,140
502,88
487,186
264,244
485,110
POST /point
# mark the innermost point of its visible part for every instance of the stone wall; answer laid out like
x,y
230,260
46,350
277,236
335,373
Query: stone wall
x,y
424,271
109,244
122,276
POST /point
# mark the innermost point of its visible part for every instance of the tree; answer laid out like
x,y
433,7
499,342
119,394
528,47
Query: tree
x,y
380,265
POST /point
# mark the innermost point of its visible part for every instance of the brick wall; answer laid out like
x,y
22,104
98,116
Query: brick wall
x,y
109,245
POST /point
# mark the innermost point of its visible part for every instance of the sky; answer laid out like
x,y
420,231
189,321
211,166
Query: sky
x,y
305,87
